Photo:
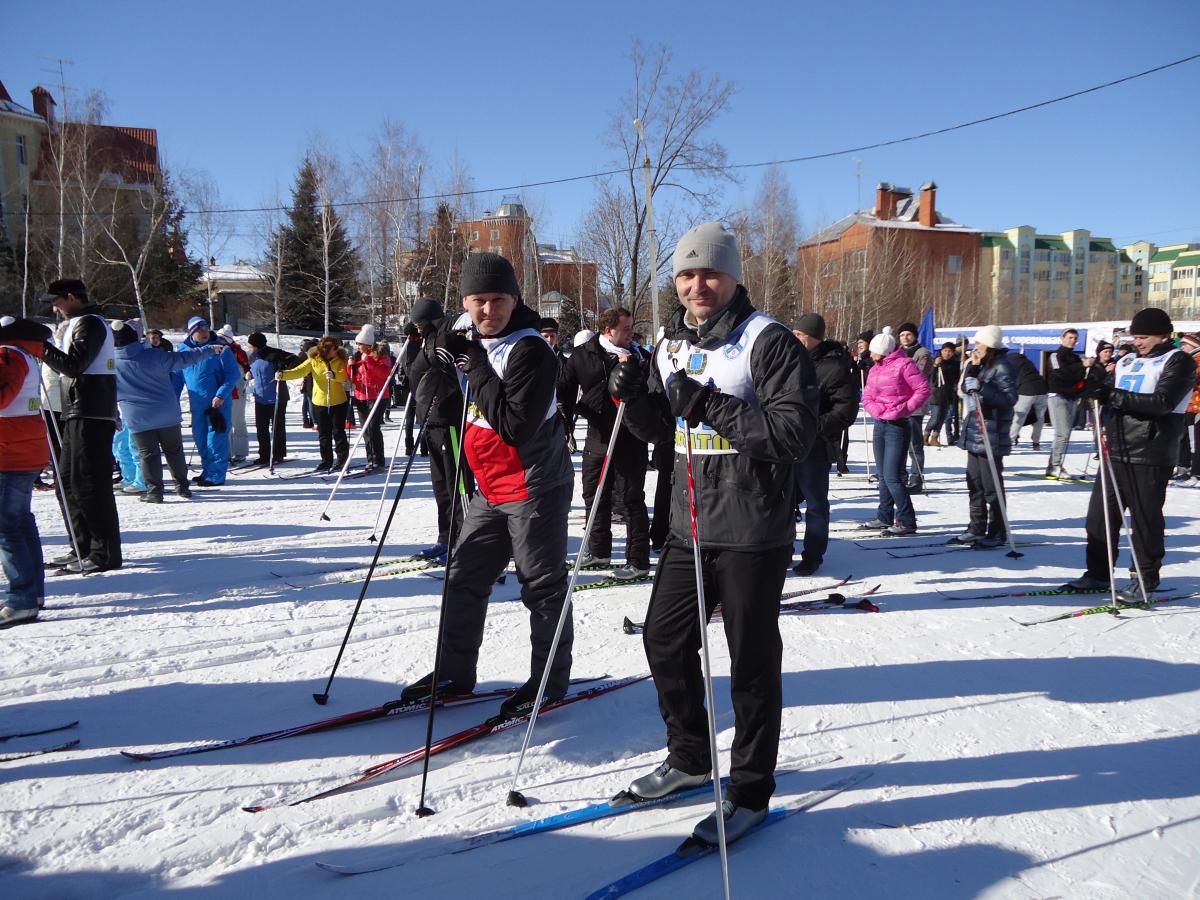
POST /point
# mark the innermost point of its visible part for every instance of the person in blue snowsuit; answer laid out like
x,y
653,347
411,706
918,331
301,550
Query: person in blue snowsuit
x,y
210,387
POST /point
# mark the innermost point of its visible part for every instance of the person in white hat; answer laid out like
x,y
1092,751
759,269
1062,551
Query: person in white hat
x,y
370,372
239,437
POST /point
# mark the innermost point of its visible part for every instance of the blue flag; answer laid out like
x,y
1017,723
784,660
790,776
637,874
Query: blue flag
x,y
925,333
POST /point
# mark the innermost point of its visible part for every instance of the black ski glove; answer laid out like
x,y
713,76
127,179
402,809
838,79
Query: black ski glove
x,y
627,381
456,349
1097,389
688,399
215,419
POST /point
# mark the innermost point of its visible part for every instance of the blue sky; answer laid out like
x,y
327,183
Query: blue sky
x,y
522,92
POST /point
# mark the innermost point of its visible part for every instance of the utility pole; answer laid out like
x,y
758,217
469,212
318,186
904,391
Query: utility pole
x,y
653,238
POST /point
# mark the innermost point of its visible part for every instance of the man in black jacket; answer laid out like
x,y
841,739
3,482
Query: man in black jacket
x,y
587,371
514,440
1064,379
88,365
943,402
838,410
1146,396
748,391
434,381
1031,395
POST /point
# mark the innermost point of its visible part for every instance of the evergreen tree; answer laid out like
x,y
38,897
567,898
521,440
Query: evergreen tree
x,y
319,268
438,263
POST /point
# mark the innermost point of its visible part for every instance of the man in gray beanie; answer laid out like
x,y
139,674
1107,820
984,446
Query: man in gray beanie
x,y
748,392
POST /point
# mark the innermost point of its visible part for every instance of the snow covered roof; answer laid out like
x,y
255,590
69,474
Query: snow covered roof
x,y
234,272
906,217
13,108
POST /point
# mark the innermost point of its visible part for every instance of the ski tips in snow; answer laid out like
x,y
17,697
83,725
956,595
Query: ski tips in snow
x,y
517,799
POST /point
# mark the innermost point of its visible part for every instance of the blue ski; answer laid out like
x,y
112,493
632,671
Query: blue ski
x,y
568,819
693,849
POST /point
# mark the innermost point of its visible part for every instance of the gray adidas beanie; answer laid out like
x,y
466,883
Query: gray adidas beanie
x,y
708,246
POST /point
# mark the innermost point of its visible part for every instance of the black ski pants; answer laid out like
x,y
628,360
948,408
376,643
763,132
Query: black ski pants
x,y
441,477
331,433
983,498
747,585
1143,491
269,427
626,483
663,457
152,445
374,431
87,482
534,534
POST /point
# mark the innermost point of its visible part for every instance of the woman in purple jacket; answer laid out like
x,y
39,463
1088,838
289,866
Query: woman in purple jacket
x,y
895,390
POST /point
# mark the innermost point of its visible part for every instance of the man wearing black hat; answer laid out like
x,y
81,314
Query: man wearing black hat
x,y
88,389
1145,399
837,412
269,421
436,382
514,441
408,352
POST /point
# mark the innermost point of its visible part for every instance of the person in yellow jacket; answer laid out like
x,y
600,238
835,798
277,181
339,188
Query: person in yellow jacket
x,y
326,363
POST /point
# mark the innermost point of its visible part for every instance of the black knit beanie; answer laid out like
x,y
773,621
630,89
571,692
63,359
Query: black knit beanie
x,y
488,273
1151,320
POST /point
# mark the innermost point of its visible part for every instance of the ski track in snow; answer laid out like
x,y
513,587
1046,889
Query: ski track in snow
x,y
1055,761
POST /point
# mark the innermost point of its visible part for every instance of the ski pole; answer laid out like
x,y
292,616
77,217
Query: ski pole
x,y
387,482
999,487
362,433
58,479
704,655
452,536
323,697
1106,462
1108,541
515,797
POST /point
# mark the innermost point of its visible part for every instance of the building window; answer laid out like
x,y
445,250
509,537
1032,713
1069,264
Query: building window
x,y
1024,266
1006,254
954,264
1041,275
21,149
495,234
1042,255
1061,275
474,235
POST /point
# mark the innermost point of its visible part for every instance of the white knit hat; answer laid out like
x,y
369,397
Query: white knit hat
x,y
883,344
366,335
225,333
990,336
582,337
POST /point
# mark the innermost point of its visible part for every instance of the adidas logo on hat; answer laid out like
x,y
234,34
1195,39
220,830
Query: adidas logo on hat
x,y
692,255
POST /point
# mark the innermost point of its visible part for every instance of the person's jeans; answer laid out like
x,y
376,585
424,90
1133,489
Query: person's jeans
x,y
1062,417
916,446
20,543
1021,412
812,477
891,451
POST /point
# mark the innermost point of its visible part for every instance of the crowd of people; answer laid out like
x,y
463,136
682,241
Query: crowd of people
x,y
742,418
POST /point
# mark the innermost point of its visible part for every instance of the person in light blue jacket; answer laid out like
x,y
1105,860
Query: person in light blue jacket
x,y
210,387
149,404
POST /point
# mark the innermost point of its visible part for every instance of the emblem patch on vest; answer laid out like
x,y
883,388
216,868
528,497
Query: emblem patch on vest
x,y
696,363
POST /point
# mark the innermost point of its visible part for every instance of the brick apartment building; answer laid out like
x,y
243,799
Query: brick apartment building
x,y
886,263
547,274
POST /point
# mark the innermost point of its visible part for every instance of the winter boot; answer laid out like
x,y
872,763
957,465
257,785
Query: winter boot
x,y
520,702
1085,582
665,780
419,689
738,821
10,616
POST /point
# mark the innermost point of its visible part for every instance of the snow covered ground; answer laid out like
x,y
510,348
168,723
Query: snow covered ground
x,y
1053,761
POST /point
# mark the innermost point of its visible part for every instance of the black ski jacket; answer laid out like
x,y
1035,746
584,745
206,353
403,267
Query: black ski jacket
x,y
839,399
1030,382
1064,373
428,375
746,498
587,371
1143,429
85,396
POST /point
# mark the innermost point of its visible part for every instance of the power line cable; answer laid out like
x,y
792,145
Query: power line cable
x,y
732,166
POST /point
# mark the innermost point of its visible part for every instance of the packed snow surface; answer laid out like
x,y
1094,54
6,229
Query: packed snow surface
x,y
1050,761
